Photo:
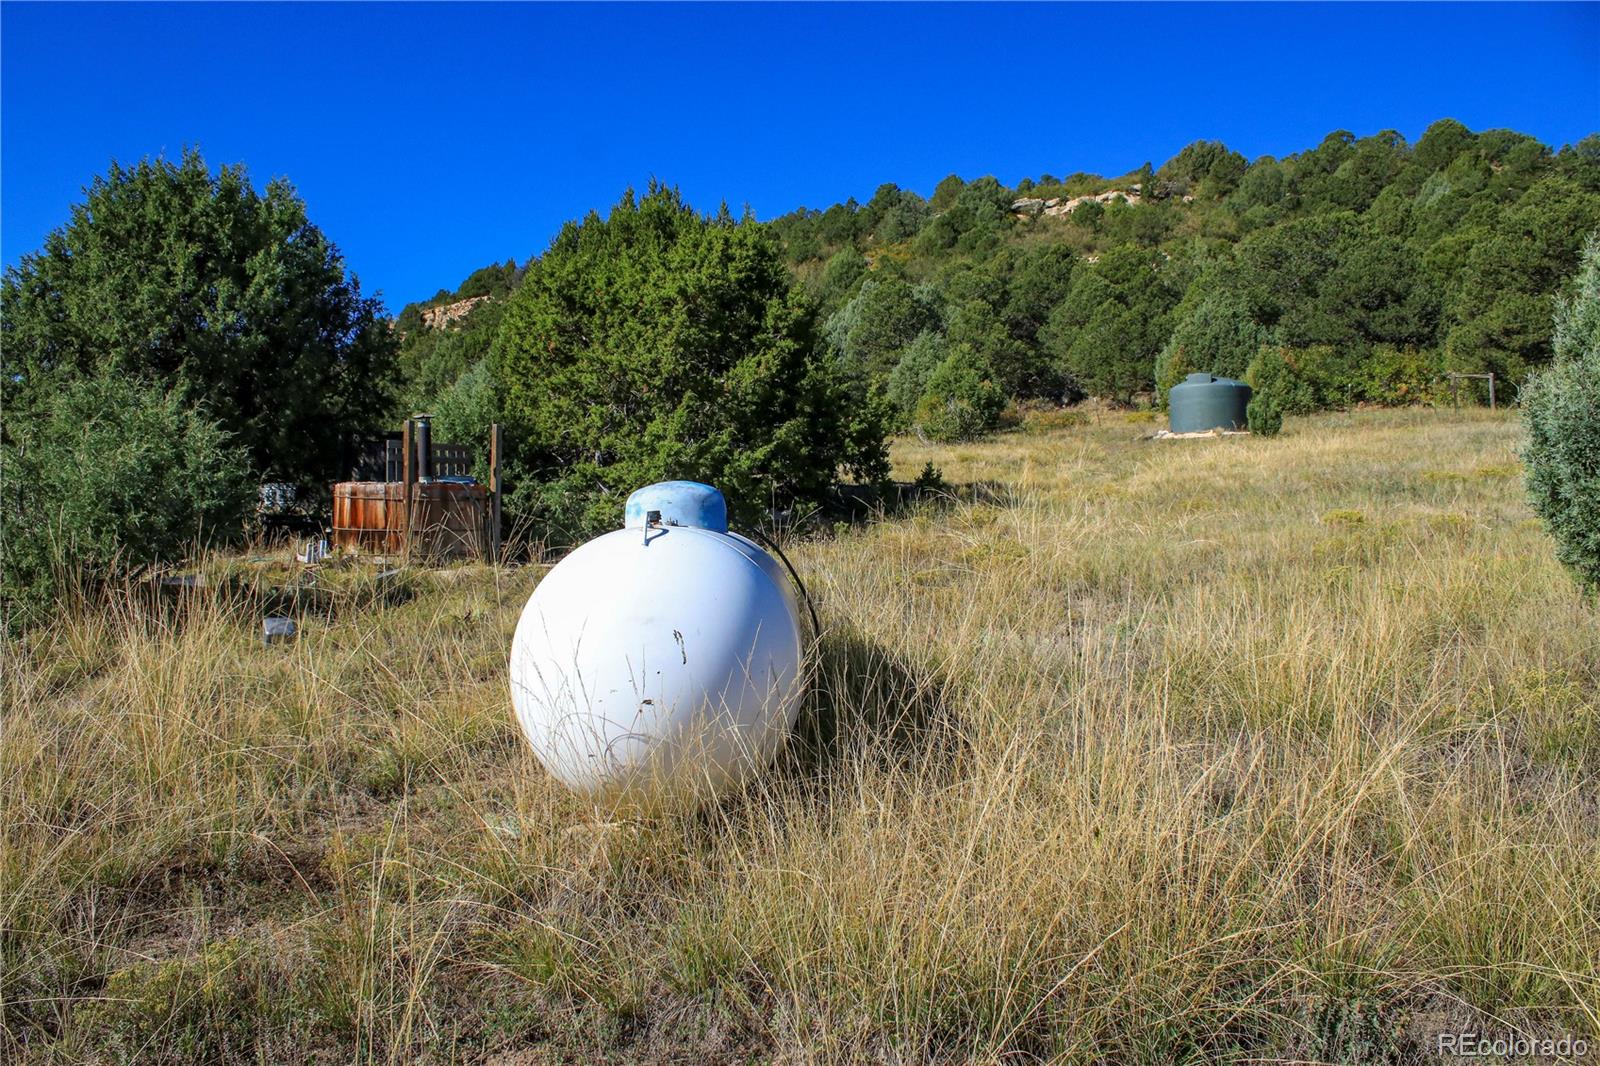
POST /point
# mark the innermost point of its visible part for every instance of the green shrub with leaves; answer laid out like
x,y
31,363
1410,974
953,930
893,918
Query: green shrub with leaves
x,y
108,477
1333,371
656,344
1397,376
466,411
963,401
909,378
1561,409
1172,366
1273,377
931,479
1263,416
1303,380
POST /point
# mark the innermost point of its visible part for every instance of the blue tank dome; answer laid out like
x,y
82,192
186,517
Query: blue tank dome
x,y
681,503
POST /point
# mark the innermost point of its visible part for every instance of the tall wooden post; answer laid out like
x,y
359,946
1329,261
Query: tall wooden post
x,y
494,493
405,490
1491,392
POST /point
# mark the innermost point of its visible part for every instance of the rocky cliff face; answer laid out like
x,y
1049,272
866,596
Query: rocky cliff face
x,y
1057,206
445,314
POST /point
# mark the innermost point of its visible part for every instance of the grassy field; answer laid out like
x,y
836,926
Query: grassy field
x,y
1147,752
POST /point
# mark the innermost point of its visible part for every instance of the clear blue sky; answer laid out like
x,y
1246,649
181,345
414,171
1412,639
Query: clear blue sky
x,y
430,140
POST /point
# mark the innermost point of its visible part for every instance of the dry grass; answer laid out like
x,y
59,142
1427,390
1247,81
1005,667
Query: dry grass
x,y
1238,749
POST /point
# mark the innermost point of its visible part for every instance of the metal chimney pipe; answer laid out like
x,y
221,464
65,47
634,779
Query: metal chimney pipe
x,y
424,438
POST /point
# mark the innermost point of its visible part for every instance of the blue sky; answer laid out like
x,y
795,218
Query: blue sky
x,y
429,140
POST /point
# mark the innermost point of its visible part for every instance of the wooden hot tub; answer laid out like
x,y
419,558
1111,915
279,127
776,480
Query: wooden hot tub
x,y
448,519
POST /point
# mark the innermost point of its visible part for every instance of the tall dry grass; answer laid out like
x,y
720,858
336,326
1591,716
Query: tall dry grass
x,y
1147,752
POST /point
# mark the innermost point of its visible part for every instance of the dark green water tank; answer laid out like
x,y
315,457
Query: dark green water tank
x,y
1202,402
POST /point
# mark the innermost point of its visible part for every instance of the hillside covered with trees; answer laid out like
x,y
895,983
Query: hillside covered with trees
x,y
1359,270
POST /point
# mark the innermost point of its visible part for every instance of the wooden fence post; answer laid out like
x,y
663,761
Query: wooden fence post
x,y
494,492
1491,391
405,491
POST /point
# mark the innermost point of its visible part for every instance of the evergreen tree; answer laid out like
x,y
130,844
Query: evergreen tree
x,y
656,344
1214,334
962,400
196,283
1105,335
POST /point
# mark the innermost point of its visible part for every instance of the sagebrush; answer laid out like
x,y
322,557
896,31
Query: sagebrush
x,y
1561,409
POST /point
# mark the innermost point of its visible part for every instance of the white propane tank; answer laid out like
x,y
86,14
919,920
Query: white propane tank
x,y
663,657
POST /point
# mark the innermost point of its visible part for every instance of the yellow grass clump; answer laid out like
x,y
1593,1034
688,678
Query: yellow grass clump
x,y
1139,751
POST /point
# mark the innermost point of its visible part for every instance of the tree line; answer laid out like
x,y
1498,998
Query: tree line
x,y
1373,266
184,335
1361,270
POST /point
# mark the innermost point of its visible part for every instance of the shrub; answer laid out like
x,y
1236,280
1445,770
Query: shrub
x,y
466,411
1577,322
1333,372
1264,416
110,477
1304,380
1172,366
1561,409
1397,376
909,379
931,479
962,401
1272,377
1036,419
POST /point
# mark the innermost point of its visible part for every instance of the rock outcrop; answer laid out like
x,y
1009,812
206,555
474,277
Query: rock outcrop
x,y
1057,206
445,314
